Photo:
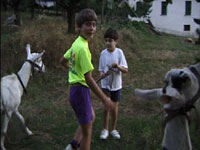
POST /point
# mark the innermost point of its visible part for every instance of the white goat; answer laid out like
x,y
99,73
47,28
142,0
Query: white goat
x,y
180,93
12,87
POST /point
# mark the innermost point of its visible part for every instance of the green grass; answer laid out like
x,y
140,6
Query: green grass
x,y
46,108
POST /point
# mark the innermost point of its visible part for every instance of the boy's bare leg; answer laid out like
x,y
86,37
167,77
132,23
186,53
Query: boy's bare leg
x,y
114,116
87,134
106,118
78,135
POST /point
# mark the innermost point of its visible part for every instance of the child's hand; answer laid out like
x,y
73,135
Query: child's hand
x,y
114,65
109,105
102,75
116,68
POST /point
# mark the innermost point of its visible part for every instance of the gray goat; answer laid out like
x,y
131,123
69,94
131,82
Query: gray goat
x,y
180,93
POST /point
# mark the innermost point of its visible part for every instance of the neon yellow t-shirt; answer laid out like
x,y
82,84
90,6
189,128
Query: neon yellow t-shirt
x,y
79,58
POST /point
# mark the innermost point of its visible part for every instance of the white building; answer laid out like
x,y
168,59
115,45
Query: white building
x,y
176,18
46,3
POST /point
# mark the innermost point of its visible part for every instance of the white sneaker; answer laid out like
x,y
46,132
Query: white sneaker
x,y
115,134
69,147
104,134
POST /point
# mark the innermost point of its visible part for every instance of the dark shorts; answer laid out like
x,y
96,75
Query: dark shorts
x,y
115,96
81,103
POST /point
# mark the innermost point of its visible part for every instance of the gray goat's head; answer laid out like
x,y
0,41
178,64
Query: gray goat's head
x,y
181,85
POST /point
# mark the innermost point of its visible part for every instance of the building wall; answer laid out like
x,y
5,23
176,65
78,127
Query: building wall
x,y
175,19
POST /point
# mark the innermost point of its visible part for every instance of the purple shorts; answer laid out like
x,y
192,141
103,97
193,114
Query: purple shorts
x,y
81,103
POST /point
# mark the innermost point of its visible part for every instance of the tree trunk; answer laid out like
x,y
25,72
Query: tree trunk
x,y
5,4
71,19
70,7
32,9
17,12
71,14
102,12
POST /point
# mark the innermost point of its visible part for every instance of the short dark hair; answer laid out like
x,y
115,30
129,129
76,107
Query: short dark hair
x,y
111,33
85,15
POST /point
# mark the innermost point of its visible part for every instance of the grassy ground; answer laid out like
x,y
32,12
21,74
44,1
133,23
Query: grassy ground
x,y
46,108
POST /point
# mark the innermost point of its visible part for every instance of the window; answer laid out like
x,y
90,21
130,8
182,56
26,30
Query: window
x,y
164,8
188,7
186,27
139,4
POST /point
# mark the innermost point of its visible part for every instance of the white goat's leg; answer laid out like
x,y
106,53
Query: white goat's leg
x,y
22,121
5,121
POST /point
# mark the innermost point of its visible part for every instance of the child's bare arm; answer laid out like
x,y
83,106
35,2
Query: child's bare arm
x,y
122,69
64,62
95,88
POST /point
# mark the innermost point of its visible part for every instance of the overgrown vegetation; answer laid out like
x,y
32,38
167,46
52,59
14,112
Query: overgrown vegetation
x,y
46,107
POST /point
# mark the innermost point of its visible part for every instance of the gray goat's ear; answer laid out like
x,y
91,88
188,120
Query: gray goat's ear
x,y
28,50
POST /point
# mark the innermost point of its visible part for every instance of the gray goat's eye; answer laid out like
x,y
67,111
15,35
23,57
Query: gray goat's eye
x,y
181,72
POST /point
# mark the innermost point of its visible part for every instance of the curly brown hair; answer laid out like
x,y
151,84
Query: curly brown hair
x,y
111,33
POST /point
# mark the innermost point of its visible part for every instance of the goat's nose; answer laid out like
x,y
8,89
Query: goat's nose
x,y
165,86
164,90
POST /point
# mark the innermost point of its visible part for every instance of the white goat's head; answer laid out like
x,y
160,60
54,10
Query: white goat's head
x,y
35,59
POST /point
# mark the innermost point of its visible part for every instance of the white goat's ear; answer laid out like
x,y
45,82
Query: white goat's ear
x,y
40,54
28,50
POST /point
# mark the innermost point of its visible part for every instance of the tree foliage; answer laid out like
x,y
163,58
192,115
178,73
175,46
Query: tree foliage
x,y
15,4
109,10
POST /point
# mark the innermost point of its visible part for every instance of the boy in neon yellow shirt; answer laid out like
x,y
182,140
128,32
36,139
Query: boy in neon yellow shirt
x,y
77,70
78,60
